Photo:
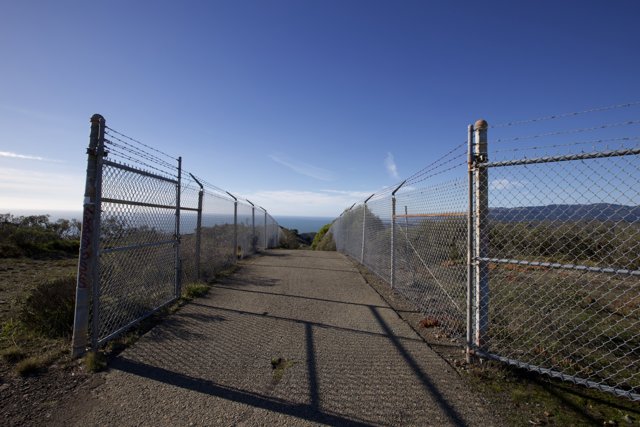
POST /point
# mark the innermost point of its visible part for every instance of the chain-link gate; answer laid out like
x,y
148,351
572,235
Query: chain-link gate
x,y
147,229
533,261
556,287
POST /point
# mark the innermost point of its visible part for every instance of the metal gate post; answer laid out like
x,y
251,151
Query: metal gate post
x,y
481,246
470,251
178,261
364,226
88,273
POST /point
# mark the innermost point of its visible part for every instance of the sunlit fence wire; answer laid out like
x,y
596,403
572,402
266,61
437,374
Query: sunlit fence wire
x,y
148,227
531,254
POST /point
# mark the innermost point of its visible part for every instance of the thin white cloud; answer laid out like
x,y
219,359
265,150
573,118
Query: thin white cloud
x,y
390,164
356,195
505,184
329,203
304,168
33,189
30,113
12,155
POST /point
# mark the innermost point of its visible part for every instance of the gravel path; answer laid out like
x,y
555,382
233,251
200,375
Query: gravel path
x,y
293,338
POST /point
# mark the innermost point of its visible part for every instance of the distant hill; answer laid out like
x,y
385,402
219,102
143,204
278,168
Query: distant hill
x,y
596,211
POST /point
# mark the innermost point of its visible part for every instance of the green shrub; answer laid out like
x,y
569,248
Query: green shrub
x,y
289,239
327,243
48,309
195,290
95,361
319,236
37,237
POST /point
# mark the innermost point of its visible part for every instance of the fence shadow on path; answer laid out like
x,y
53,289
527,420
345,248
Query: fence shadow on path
x,y
322,399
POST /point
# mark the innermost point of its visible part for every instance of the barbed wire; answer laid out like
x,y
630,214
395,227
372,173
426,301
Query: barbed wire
x,y
431,167
136,161
570,131
457,165
205,183
141,143
137,152
569,144
435,168
433,164
565,115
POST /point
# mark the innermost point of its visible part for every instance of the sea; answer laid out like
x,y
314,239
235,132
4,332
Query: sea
x,y
304,224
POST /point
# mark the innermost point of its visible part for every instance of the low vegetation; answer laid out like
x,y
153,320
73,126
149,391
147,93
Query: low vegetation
x,y
37,237
48,307
323,240
292,239
38,262
195,290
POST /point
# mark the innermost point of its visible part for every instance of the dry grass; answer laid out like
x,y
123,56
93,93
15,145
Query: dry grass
x,y
23,349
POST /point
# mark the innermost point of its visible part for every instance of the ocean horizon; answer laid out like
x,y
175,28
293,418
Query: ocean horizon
x,y
304,224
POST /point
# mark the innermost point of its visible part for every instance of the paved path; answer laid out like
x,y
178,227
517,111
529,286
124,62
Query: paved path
x,y
346,358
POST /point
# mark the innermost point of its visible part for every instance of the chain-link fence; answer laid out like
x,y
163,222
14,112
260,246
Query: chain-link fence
x,y
533,259
147,228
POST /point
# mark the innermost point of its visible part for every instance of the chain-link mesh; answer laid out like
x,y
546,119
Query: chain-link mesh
x,y
189,202
564,269
217,240
535,254
137,247
431,252
247,240
429,240
158,228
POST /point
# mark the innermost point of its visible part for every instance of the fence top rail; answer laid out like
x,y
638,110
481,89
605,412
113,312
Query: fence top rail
x,y
564,158
433,215
138,171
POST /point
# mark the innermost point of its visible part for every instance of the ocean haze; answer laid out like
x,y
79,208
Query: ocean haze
x,y
304,224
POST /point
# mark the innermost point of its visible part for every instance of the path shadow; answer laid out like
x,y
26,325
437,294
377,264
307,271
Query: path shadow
x,y
307,412
429,386
297,296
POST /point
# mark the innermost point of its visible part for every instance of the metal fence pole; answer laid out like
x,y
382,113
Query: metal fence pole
x,y
253,227
393,234
364,226
90,239
393,241
470,252
266,246
198,226
235,226
178,261
481,246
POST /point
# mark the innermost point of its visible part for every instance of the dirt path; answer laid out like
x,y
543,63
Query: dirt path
x,y
294,338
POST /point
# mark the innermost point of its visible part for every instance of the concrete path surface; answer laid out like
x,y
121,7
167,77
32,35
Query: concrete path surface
x,y
293,338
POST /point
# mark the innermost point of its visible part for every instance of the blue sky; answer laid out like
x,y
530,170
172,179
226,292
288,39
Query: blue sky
x,y
304,107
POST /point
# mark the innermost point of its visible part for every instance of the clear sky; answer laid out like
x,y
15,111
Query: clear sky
x,y
302,106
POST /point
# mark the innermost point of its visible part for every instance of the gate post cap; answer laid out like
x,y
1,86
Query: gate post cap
x,y
96,118
481,125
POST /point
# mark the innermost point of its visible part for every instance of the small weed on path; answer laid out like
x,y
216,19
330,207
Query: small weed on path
x,y
279,366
